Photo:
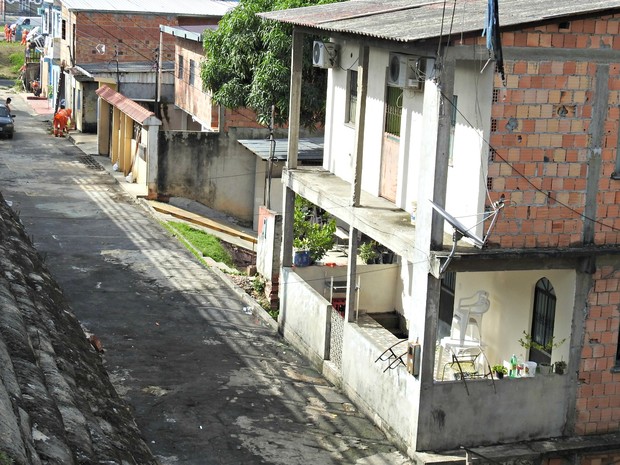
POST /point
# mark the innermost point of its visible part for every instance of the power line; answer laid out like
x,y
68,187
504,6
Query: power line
x,y
519,173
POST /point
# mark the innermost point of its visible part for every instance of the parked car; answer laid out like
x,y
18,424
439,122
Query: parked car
x,y
25,22
6,122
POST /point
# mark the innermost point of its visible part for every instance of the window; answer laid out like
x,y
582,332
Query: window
x,y
543,320
446,304
180,75
351,98
192,66
63,30
393,110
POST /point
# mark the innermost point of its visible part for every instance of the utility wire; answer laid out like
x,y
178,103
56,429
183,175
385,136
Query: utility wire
x,y
519,173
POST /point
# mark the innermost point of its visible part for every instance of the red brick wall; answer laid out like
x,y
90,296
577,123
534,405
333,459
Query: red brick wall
x,y
607,458
135,36
598,394
541,128
240,118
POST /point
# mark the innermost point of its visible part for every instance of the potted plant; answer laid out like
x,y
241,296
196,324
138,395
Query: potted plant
x,y
527,342
313,232
368,252
499,370
560,367
544,368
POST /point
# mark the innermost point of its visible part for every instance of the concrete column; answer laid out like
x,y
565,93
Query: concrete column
x,y
152,160
127,135
295,99
442,150
597,140
350,311
288,213
116,125
360,118
103,128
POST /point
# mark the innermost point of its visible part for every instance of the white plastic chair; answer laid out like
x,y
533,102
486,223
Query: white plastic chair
x,y
470,311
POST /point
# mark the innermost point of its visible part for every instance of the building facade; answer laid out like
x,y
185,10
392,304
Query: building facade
x,y
483,157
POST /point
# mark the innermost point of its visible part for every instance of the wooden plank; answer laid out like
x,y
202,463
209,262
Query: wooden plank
x,y
200,220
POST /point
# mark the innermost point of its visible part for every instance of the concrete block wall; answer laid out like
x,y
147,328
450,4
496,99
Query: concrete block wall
x,y
549,120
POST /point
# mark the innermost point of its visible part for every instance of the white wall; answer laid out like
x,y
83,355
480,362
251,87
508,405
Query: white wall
x,y
466,193
304,316
512,299
389,397
378,291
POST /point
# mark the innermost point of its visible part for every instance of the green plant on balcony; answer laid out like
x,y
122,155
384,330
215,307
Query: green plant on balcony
x,y
528,343
313,229
368,252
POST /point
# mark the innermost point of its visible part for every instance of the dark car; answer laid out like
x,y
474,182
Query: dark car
x,y
6,122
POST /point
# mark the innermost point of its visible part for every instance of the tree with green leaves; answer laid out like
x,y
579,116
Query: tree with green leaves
x,y
248,63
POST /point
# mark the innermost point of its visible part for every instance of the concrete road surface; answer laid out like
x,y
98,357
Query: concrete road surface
x,y
208,382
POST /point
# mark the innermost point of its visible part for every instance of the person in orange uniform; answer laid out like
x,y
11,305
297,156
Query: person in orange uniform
x,y
24,37
60,122
7,33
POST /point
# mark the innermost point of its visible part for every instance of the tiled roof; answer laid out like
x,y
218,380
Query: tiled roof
x,y
57,404
132,109
411,20
215,8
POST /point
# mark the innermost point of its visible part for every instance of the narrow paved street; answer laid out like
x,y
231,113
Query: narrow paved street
x,y
208,383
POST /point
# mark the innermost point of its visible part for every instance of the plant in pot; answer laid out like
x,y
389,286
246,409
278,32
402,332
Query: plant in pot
x,y
527,342
313,232
560,367
368,252
499,370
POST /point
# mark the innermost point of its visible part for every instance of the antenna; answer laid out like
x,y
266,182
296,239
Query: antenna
x,y
458,226
461,231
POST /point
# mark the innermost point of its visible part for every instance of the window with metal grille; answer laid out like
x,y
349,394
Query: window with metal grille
x,y
351,98
180,75
192,72
393,110
543,321
446,304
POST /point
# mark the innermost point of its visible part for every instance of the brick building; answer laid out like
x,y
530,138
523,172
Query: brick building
x,y
117,43
513,136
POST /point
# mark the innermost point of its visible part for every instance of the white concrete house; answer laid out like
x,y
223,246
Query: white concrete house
x,y
419,109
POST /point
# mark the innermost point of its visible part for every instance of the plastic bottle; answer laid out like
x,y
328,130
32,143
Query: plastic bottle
x,y
513,366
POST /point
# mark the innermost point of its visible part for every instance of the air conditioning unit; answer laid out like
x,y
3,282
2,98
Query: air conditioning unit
x,y
324,54
406,71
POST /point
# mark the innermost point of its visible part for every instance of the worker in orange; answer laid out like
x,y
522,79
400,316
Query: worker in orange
x,y
24,37
60,121
7,33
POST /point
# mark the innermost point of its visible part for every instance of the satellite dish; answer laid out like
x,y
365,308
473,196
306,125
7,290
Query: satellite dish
x,y
458,226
